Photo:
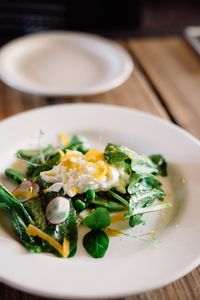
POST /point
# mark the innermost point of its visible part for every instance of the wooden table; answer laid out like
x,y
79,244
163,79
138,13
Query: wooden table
x,y
166,83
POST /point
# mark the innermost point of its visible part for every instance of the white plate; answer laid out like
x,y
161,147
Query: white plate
x,y
130,266
64,63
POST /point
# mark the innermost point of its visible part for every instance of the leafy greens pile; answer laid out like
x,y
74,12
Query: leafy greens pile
x,y
92,209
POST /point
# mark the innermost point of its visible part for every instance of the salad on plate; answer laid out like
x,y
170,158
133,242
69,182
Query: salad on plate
x,y
72,184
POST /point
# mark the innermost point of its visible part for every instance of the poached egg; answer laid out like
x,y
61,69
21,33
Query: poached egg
x,y
78,172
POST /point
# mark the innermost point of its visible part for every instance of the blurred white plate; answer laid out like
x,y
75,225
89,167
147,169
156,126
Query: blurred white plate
x,y
192,35
130,265
64,63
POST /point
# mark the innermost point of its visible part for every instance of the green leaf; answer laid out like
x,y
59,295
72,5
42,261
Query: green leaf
x,y
34,207
140,182
145,198
96,243
53,159
160,163
135,220
20,229
19,226
98,219
77,139
50,161
31,247
34,171
14,175
143,165
154,164
134,182
79,143
42,183
4,206
34,155
26,154
69,230
42,161
7,200
116,153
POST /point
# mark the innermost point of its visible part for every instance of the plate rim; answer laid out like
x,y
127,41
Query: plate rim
x,y
41,293
114,106
128,66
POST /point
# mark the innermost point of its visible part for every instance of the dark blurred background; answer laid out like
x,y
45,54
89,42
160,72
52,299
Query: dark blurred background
x,y
106,17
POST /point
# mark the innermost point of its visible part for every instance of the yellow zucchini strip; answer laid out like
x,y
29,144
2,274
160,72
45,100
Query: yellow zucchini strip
x,y
65,247
62,249
111,232
117,217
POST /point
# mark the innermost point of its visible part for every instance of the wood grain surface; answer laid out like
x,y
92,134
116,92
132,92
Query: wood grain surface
x,y
166,83
174,70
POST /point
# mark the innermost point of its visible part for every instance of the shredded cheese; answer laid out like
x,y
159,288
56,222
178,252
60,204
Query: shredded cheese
x,y
62,249
94,155
64,139
102,169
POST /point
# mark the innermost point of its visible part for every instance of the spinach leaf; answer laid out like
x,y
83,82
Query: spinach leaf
x,y
20,229
4,206
99,218
142,182
143,165
7,200
154,164
144,190
96,243
69,230
42,183
160,163
54,232
116,153
34,207
14,175
19,226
